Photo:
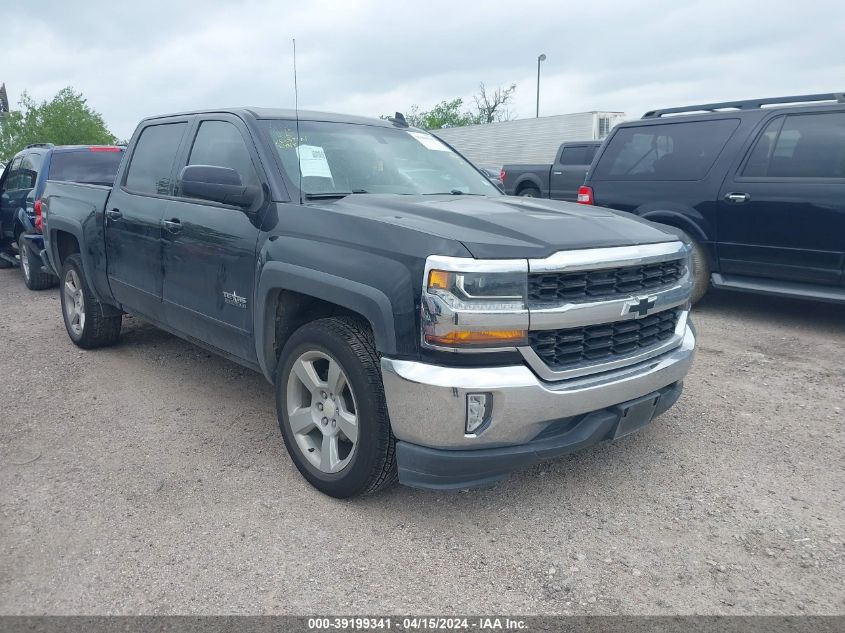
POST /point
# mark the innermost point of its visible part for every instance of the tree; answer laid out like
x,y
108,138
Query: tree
x,y
489,107
493,107
444,114
66,119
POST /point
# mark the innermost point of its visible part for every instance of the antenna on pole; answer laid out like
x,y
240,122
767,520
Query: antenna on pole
x,y
296,109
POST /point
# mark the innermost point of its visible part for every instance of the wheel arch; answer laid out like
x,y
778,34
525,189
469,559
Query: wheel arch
x,y
689,221
302,295
527,180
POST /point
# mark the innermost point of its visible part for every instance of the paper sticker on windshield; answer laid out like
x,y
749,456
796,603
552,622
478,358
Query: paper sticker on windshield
x,y
429,141
312,161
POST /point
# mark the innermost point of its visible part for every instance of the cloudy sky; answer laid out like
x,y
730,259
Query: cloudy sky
x,y
368,57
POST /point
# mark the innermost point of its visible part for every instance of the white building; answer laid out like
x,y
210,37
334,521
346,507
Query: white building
x,y
527,140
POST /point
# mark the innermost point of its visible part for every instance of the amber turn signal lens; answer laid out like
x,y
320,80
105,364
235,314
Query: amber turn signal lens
x,y
484,337
438,279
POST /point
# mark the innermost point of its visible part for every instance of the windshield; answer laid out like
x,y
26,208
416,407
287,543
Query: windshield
x,y
345,158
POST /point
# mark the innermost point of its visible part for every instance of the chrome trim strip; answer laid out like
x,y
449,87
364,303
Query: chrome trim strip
x,y
614,257
580,314
547,373
470,265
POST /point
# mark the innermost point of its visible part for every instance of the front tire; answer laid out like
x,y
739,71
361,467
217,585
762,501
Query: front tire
x,y
85,317
331,408
33,277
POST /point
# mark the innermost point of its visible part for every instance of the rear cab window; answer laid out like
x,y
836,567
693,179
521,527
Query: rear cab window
x,y
574,155
666,151
152,160
94,166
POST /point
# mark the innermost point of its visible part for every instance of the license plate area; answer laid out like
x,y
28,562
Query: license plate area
x,y
635,414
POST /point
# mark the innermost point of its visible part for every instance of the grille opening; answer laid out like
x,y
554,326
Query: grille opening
x,y
561,349
592,284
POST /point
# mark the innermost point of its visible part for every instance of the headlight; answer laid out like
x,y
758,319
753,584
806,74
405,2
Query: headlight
x,y
474,305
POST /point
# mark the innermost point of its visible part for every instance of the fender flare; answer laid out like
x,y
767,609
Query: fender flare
x,y
75,228
277,276
531,179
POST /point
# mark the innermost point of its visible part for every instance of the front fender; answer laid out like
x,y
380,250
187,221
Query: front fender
x,y
366,300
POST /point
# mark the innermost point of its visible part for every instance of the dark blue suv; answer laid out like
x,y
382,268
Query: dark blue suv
x,y
21,186
759,185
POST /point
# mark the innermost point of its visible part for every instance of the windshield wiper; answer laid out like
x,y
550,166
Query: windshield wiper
x,y
332,195
453,192
328,195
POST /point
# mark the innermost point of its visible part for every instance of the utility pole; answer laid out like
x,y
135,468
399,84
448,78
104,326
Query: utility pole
x,y
541,58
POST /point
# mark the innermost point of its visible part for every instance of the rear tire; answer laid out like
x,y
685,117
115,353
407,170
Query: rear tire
x,y
33,277
331,408
529,192
700,272
85,317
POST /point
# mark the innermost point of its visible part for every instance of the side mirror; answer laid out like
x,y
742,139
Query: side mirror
x,y
216,184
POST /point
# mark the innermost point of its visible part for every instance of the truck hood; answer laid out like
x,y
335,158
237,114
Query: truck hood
x,y
504,226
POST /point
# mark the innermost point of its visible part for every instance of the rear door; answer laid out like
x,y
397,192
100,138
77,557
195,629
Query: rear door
x,y
569,170
782,209
210,248
134,214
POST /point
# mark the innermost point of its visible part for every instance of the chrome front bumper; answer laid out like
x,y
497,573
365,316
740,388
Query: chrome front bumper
x,y
428,403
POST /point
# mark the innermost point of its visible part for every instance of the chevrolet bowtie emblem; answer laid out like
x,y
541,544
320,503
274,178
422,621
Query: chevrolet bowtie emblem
x,y
641,307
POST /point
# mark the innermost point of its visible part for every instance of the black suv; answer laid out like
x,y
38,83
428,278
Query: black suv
x,y
759,185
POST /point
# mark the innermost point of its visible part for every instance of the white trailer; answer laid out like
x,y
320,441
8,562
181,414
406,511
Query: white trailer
x,y
527,140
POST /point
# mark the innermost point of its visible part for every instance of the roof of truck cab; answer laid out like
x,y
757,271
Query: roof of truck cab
x,y
283,113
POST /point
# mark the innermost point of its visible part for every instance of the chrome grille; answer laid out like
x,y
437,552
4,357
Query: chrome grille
x,y
563,348
555,287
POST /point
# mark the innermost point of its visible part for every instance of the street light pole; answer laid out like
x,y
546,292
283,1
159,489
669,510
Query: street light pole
x,y
541,58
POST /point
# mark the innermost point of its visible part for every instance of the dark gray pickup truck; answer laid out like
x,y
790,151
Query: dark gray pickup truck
x,y
416,322
558,181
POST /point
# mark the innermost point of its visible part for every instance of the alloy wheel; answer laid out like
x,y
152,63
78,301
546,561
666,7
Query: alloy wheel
x,y
74,302
321,411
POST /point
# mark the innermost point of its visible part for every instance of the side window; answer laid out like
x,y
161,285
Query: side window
x,y
32,163
810,146
152,160
574,155
11,175
219,143
667,151
21,174
591,154
758,161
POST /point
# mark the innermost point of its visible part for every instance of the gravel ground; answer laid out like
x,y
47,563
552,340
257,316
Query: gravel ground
x,y
151,478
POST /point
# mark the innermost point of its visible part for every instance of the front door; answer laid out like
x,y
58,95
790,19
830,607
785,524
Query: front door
x,y
569,171
133,221
210,248
781,213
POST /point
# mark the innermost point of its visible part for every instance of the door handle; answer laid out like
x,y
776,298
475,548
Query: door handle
x,y
557,173
114,214
174,225
737,197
